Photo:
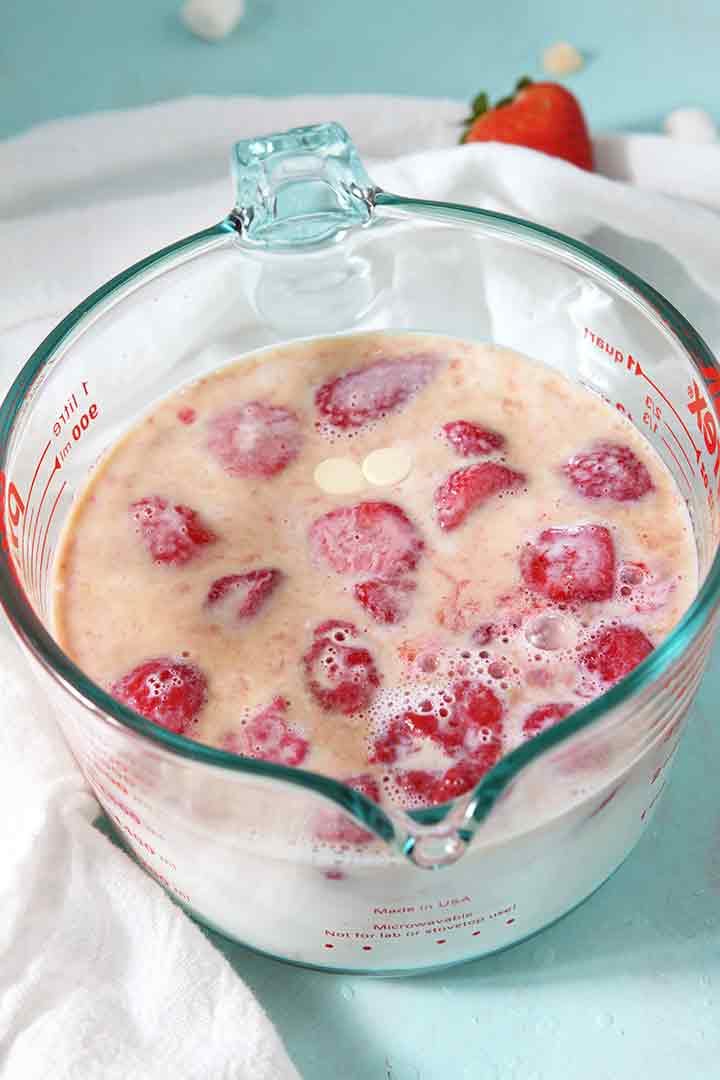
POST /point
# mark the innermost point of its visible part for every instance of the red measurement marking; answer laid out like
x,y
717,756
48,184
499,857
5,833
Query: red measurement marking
x,y
648,808
47,530
509,922
665,763
27,521
441,941
367,948
692,467
33,547
677,461
125,809
29,495
99,765
606,801
476,933
328,945
639,371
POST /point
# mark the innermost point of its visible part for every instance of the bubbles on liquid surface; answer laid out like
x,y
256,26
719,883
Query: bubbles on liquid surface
x,y
631,574
551,633
498,669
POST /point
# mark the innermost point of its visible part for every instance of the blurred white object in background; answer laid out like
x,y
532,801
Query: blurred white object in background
x,y
562,59
212,19
691,125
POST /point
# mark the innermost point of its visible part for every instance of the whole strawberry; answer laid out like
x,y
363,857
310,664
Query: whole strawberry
x,y
543,116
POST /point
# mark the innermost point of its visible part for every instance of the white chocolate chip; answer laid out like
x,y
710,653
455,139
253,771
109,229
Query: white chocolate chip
x,y
691,125
387,466
339,476
212,19
562,59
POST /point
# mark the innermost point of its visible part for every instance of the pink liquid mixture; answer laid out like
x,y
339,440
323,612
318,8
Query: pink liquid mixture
x,y
401,636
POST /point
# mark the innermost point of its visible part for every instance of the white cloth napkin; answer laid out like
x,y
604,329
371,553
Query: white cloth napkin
x,y
101,975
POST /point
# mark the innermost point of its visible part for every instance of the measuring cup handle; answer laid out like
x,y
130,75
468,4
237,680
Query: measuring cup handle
x,y
299,187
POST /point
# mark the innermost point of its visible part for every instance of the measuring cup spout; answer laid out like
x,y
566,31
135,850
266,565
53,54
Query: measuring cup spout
x,y
439,836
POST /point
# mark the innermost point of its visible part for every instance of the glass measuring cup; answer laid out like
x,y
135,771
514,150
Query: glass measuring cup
x,y
313,248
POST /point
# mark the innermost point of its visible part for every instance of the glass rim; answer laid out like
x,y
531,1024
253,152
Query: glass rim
x,y
45,650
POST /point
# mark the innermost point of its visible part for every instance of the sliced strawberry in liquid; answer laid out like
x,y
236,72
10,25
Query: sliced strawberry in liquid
x,y
544,717
468,488
375,538
340,673
609,471
467,722
461,778
171,534
166,691
615,651
336,828
427,787
371,393
254,439
419,785
570,565
386,601
483,634
243,595
269,737
397,743
479,713
471,440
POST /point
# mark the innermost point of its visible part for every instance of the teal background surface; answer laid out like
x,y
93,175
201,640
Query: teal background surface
x,y
628,985
64,57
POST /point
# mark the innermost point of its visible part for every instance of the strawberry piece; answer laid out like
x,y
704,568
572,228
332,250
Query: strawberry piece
x,y
336,828
571,564
543,116
385,601
483,634
396,743
432,788
376,538
615,651
172,534
341,674
267,736
465,721
168,692
460,778
419,784
474,726
187,415
465,489
470,440
544,717
255,439
243,594
370,393
609,471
